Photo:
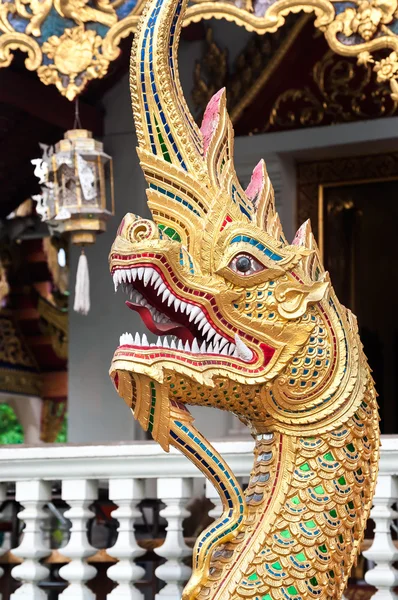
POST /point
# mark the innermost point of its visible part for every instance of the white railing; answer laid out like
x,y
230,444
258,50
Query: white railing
x,y
129,473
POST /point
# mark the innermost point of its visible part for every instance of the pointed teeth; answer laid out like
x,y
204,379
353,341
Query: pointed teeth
x,y
155,277
147,276
212,333
199,317
223,348
134,273
161,289
177,303
203,323
126,339
165,295
170,299
194,311
243,351
206,328
223,343
158,282
141,272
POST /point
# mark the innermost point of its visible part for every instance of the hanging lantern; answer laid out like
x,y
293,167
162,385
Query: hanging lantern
x,y
77,196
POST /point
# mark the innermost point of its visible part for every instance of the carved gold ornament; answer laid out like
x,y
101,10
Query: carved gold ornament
x,y
70,56
338,92
247,323
76,51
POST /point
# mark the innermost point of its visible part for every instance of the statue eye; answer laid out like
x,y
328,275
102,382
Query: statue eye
x,y
245,264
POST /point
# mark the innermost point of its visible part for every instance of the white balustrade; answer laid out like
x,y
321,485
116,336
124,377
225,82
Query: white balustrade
x,y
383,552
3,547
175,493
126,493
214,497
79,494
33,495
126,470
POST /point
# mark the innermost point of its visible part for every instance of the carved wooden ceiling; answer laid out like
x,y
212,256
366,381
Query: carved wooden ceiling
x,y
289,80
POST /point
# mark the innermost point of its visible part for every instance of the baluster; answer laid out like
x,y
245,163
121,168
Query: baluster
x,y
3,547
214,496
33,495
174,492
79,494
126,493
383,551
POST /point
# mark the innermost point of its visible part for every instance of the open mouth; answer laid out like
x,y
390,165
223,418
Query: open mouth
x,y
181,325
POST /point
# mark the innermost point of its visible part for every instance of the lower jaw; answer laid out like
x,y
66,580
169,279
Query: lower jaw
x,y
154,365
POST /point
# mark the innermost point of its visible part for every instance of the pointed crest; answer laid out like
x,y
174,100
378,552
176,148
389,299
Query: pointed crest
x,y
312,263
261,193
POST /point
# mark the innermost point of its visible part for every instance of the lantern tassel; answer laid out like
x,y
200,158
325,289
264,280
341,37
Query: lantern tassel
x,y
82,288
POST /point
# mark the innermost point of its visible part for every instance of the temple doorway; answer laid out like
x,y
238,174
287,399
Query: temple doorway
x,y
356,216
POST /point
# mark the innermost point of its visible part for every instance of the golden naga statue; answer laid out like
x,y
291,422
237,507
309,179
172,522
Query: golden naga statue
x,y
249,324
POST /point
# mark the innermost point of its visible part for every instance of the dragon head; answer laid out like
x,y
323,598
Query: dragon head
x,y
212,274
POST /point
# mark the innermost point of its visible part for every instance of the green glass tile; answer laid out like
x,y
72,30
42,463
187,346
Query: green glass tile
x,y
323,549
313,581
253,577
342,480
296,500
163,146
301,557
351,447
310,524
319,489
333,513
292,590
286,534
277,566
329,456
305,467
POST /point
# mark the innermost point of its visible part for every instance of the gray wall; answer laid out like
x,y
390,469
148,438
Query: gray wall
x,y
96,413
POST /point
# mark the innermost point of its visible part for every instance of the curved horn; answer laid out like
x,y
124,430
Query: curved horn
x,y
164,125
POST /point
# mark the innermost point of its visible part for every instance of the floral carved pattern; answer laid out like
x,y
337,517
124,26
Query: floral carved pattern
x,y
338,92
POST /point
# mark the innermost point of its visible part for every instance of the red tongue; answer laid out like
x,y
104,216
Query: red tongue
x,y
180,331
